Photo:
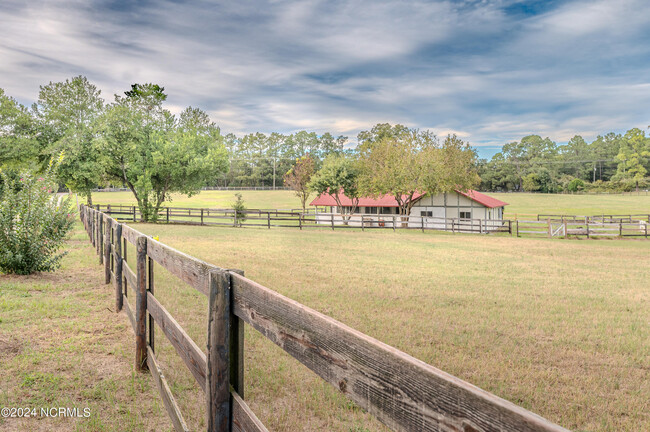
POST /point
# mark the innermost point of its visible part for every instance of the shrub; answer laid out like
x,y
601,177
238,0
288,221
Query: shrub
x,y
240,209
575,185
33,224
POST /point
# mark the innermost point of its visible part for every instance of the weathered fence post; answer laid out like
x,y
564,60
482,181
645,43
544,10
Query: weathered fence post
x,y
566,233
117,253
150,267
107,251
422,223
517,227
268,219
201,216
167,214
217,385
126,285
133,213
620,228
550,229
141,305
300,221
332,218
236,345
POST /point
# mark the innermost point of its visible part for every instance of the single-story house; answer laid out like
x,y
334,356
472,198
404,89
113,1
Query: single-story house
x,y
434,211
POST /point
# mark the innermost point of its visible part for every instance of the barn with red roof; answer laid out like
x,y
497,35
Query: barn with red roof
x,y
431,210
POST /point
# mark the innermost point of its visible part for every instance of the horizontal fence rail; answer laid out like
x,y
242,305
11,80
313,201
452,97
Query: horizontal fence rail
x,y
296,218
404,393
551,226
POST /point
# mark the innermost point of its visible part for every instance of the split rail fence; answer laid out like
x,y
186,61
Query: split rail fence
x,y
296,218
404,393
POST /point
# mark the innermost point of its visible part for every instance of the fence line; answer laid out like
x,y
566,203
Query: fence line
x,y
404,393
296,218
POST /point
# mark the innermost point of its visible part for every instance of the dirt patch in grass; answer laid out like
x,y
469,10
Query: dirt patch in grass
x,y
9,346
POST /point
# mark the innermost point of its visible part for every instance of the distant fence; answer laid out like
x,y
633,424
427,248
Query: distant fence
x,y
296,218
588,228
404,393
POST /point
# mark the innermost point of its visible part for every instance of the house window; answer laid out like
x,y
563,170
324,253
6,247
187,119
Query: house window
x,y
386,210
426,213
371,210
465,215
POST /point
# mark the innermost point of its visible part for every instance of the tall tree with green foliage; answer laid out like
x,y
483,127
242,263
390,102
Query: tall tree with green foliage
x,y
298,177
339,176
66,113
155,153
18,145
408,161
634,156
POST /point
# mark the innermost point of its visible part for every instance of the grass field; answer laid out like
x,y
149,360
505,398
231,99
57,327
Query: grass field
x,y
62,345
519,203
214,199
558,327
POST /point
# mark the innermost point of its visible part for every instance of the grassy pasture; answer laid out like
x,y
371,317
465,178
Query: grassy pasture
x,y
559,327
519,203
62,345
279,199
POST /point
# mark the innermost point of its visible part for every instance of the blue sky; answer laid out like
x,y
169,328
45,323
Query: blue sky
x,y
490,71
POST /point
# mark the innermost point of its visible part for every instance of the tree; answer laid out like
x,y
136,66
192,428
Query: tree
x,y
298,177
18,145
633,156
339,176
156,154
66,113
405,162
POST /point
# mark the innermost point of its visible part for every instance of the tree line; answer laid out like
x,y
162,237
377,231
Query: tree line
x,y
611,162
135,142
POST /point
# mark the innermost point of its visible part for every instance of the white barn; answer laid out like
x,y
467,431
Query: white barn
x,y
432,211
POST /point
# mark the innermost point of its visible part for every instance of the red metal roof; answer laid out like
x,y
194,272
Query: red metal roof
x,y
389,200
383,201
480,198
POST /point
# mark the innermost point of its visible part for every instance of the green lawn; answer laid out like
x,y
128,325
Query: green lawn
x,y
584,205
214,199
559,327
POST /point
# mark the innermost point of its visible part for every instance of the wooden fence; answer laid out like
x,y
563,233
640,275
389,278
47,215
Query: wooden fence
x,y
588,228
296,218
404,393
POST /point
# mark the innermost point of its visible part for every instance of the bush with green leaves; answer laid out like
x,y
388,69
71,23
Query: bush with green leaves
x,y
33,224
240,209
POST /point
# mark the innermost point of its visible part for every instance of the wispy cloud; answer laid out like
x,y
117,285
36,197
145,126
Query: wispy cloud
x,y
489,70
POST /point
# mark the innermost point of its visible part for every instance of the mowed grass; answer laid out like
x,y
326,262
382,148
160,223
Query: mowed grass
x,y
558,327
524,204
63,345
269,199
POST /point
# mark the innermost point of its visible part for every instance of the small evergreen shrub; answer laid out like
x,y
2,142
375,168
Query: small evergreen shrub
x,y
240,209
33,224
